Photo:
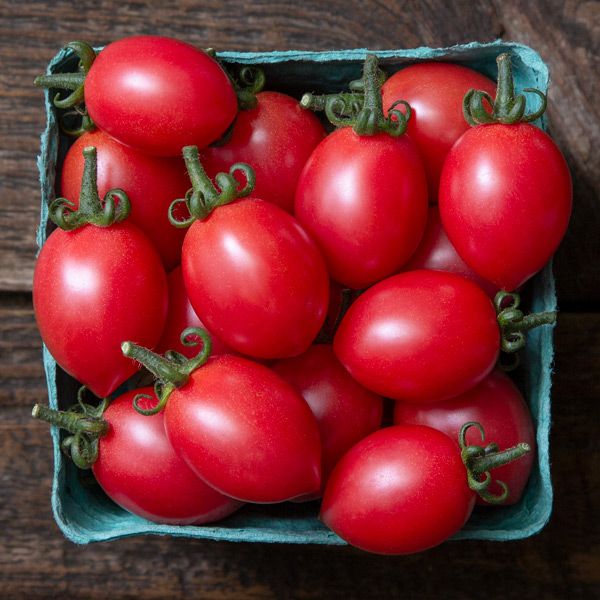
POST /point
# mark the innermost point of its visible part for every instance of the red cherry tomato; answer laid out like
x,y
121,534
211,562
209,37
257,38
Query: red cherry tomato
x,y
151,183
345,411
505,201
499,407
180,316
275,138
93,288
420,336
139,470
437,252
245,431
435,92
364,201
158,94
403,489
256,279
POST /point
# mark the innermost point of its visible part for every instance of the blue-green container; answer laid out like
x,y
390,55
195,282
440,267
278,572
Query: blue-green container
x,y
83,511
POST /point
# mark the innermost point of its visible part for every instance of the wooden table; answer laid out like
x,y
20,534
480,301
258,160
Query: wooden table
x,y
563,561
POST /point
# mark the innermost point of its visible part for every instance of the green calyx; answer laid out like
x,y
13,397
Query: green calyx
x,y
479,108
362,107
204,196
514,324
115,206
172,370
84,422
479,460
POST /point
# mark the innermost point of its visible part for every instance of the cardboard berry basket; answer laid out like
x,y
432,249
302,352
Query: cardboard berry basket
x,y
83,511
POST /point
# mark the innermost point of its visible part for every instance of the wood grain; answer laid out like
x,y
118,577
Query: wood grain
x,y
565,33
36,561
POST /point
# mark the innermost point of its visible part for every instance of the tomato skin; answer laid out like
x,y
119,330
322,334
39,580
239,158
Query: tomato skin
x,y
401,490
159,94
364,201
499,407
151,183
345,411
256,279
505,201
245,431
89,288
139,470
420,336
437,252
435,92
180,316
275,138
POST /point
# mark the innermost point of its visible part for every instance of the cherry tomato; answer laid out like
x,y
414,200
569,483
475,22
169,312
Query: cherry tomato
x,y
180,316
245,431
437,252
151,183
403,489
345,411
256,279
420,336
139,470
275,138
435,92
364,200
499,407
159,94
505,201
92,288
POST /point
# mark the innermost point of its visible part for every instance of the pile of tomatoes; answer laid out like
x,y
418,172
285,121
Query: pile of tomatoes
x,y
282,281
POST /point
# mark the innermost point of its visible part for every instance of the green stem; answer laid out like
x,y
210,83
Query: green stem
x,y
73,422
115,206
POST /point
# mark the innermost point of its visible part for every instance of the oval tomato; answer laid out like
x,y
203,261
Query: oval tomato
x,y
505,201
92,288
435,92
403,489
499,407
364,200
180,316
276,138
159,94
256,279
139,470
420,336
345,411
151,183
245,431
436,252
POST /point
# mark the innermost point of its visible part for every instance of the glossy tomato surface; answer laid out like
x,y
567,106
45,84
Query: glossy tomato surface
x,y
499,407
151,183
139,470
180,316
401,490
93,288
159,94
256,279
420,336
436,252
275,138
345,411
435,92
245,431
505,201
364,201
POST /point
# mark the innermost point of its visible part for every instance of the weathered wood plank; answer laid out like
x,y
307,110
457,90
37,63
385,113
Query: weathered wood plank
x,y
35,561
565,33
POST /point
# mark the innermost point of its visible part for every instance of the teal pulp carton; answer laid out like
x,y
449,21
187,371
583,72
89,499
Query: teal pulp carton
x,y
82,510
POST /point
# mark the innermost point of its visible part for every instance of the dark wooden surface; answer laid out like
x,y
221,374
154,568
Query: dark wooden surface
x,y
562,562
